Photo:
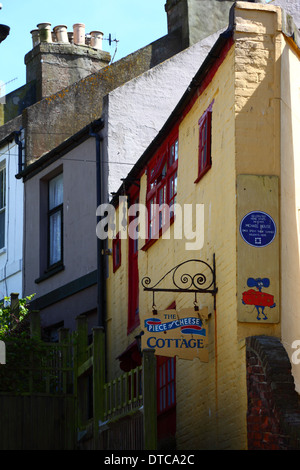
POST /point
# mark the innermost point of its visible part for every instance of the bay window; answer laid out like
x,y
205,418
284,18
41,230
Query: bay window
x,y
162,187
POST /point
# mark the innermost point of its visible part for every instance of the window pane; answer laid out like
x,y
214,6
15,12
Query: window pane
x,y
203,157
162,200
176,150
161,406
173,367
117,254
204,131
170,386
152,227
173,153
162,195
55,238
173,186
2,228
56,191
2,188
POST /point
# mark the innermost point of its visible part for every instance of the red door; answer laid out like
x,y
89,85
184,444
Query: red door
x,y
166,400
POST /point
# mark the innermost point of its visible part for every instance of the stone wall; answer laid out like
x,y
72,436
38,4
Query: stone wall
x,y
54,66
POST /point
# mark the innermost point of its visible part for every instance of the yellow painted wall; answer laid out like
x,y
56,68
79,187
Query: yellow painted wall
x,y
257,109
257,71
215,406
117,304
290,201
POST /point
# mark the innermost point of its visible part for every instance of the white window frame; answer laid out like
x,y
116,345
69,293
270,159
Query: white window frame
x,y
3,203
54,210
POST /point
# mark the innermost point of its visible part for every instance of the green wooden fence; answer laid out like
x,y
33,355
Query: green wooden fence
x,y
37,422
123,395
66,403
37,399
122,407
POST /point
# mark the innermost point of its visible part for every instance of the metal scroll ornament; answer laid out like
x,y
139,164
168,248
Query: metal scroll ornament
x,y
190,276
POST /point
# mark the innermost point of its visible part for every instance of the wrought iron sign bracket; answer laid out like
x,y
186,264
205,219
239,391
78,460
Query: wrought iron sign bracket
x,y
199,283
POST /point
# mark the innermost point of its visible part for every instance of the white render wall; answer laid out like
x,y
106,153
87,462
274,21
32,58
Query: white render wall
x,y
135,112
290,206
12,253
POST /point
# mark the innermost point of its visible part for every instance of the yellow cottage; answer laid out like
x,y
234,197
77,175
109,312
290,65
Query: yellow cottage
x,y
204,266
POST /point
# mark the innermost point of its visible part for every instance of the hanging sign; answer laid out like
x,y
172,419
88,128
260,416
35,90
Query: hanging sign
x,y
177,333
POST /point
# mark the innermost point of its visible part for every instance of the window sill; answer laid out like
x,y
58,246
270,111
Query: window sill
x,y
115,268
151,241
133,326
50,272
2,250
202,173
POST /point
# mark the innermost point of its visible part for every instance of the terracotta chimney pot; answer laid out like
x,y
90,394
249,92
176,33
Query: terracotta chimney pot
x,y
45,32
35,35
96,39
79,33
61,33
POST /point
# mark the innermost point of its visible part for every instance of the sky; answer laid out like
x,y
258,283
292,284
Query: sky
x,y
134,23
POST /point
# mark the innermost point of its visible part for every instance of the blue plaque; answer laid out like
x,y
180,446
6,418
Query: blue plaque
x,y
258,229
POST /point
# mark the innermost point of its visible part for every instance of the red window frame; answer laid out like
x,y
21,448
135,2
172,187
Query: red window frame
x,y
117,256
204,152
162,186
133,275
166,391
166,384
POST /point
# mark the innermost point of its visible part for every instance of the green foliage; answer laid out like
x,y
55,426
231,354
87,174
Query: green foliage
x,y
23,353
11,318
32,365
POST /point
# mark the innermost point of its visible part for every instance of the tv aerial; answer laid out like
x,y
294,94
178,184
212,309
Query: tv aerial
x,y
110,41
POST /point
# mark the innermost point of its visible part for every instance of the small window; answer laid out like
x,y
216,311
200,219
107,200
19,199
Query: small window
x,y
116,252
55,220
2,206
204,155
